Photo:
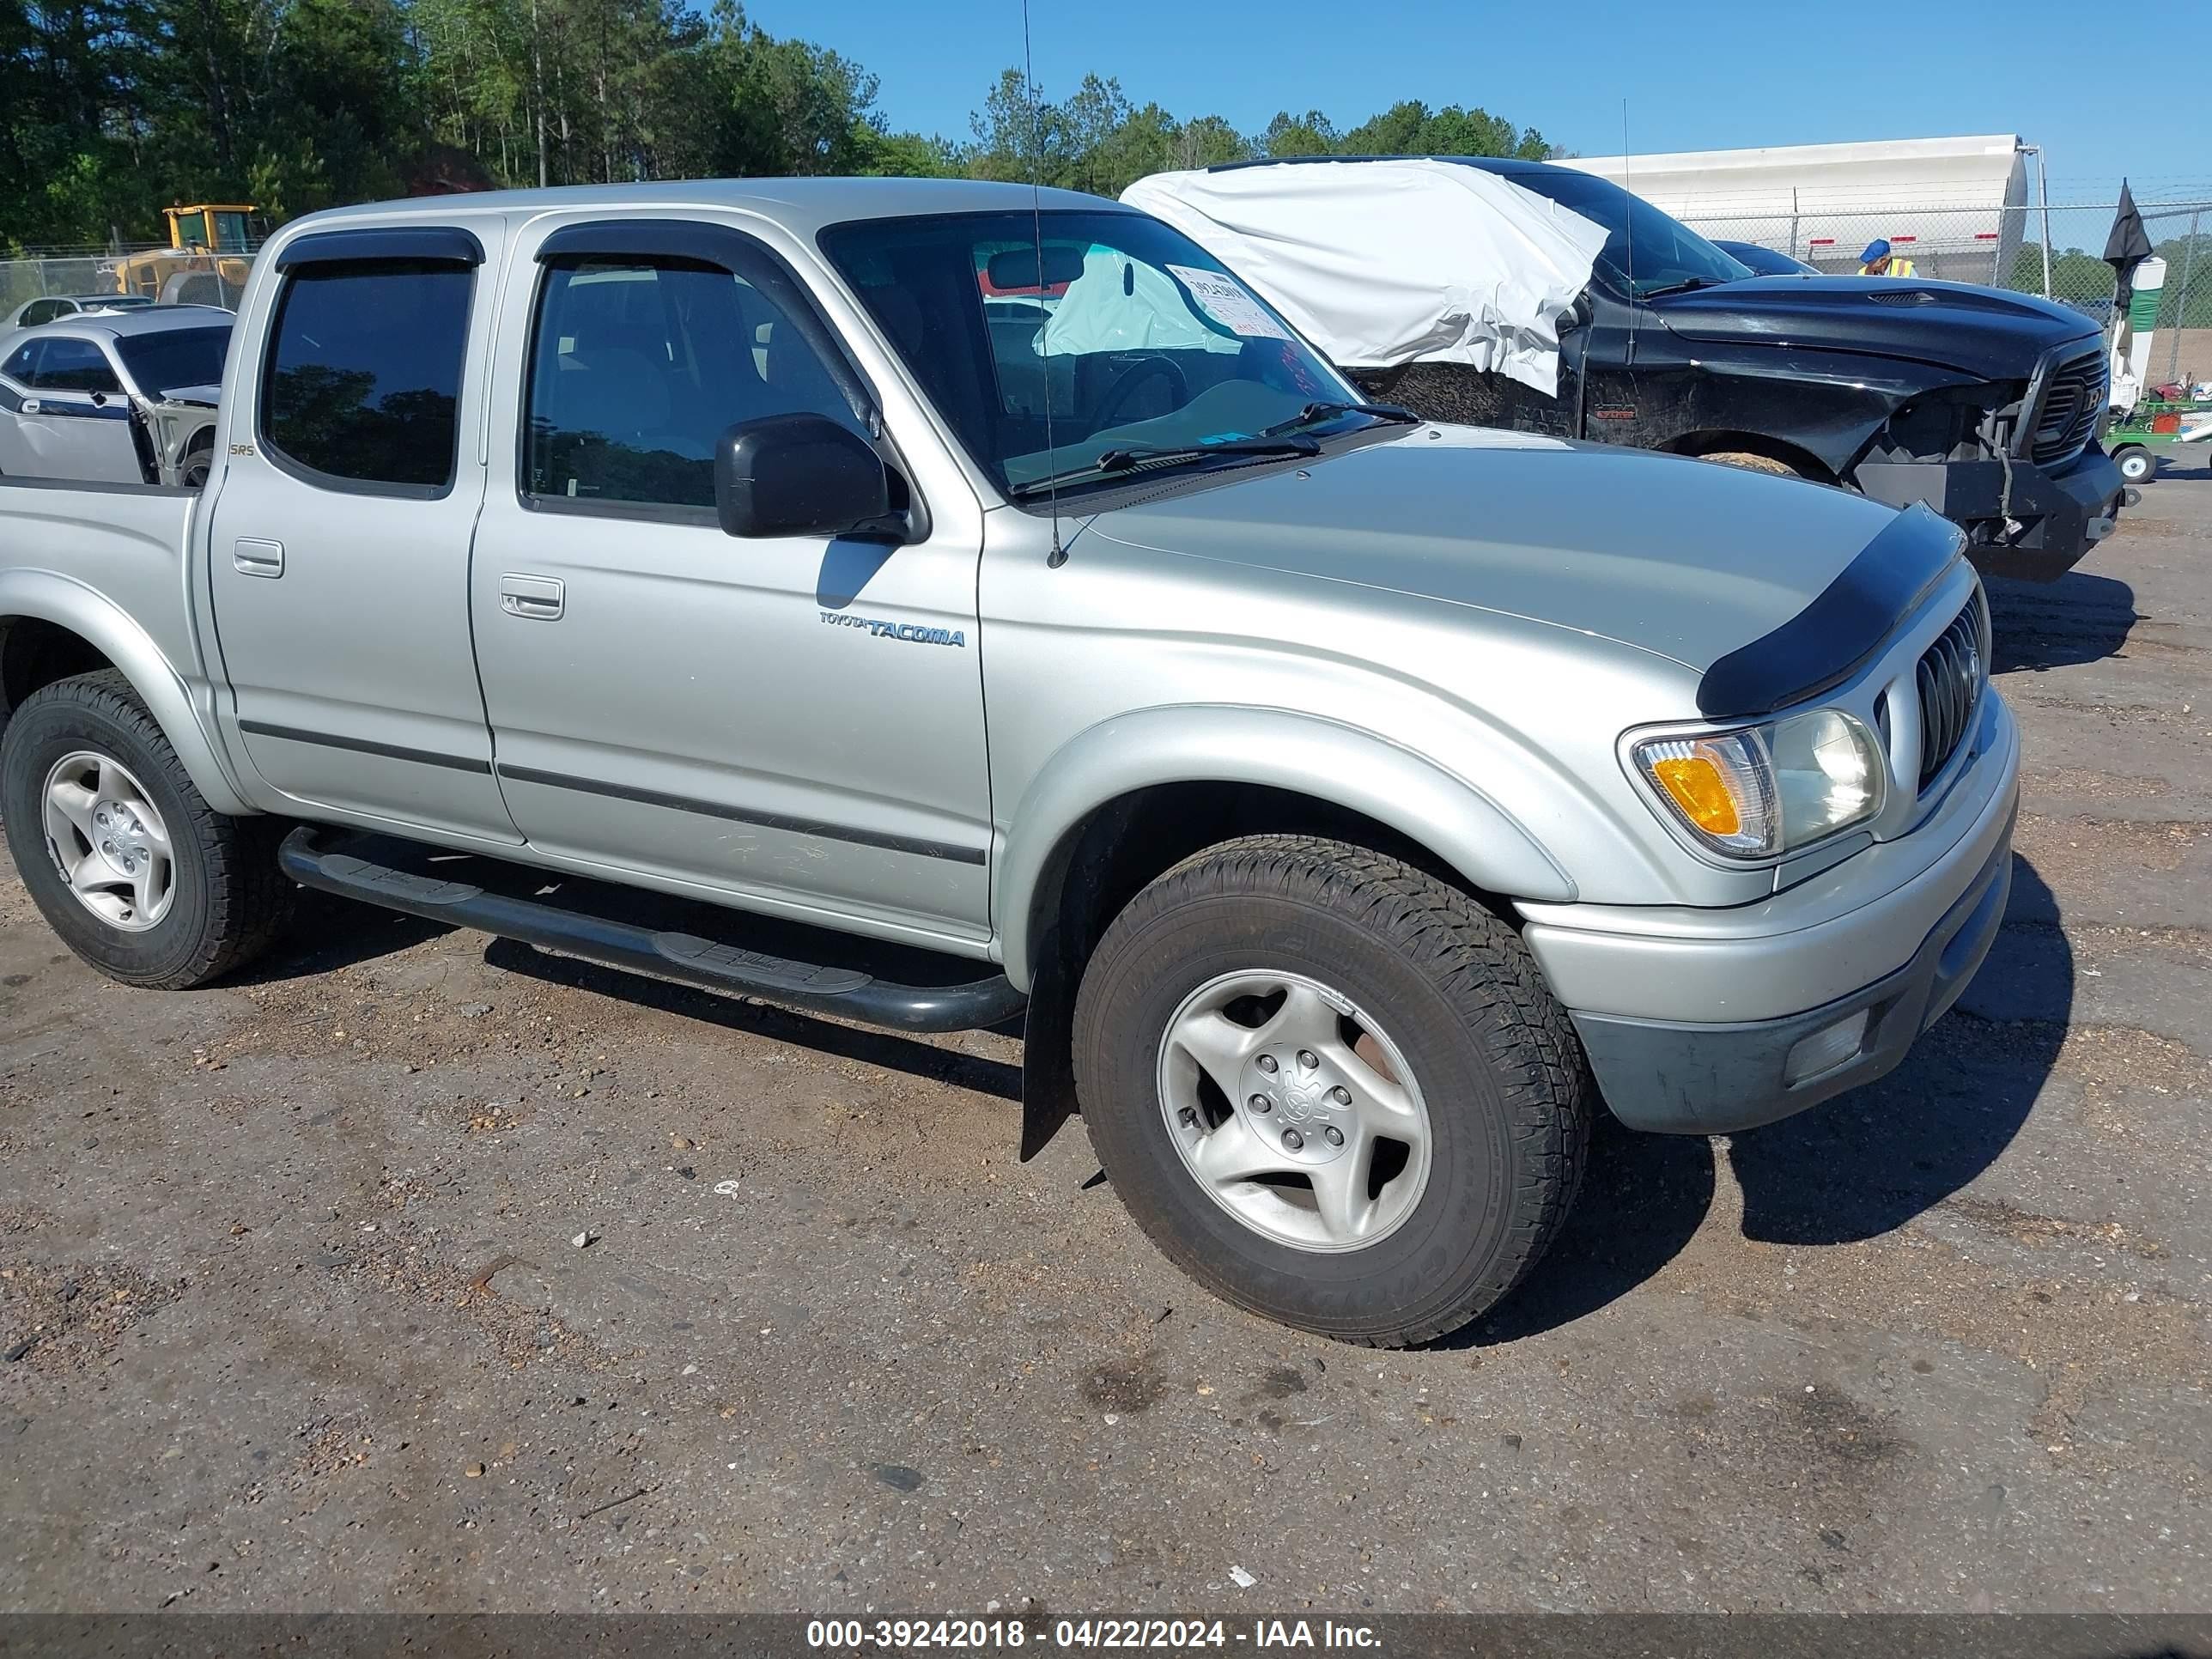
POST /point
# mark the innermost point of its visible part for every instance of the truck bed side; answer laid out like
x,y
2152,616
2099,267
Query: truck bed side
x,y
100,573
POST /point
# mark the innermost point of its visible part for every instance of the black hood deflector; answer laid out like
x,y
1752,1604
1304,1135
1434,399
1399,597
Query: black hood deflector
x,y
1843,629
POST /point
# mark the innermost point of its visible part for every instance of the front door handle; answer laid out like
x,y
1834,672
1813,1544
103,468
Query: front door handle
x,y
251,556
538,599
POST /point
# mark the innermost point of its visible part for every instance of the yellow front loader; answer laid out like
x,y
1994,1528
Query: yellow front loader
x,y
211,246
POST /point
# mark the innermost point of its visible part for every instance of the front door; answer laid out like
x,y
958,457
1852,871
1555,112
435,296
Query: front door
x,y
344,508
795,723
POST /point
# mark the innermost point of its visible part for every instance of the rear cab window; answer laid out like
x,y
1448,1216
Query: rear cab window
x,y
362,383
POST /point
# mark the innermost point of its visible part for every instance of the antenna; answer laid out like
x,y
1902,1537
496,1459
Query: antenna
x,y
1058,556
1628,219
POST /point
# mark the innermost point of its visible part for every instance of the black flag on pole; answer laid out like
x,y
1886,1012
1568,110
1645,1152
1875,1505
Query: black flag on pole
x,y
2128,246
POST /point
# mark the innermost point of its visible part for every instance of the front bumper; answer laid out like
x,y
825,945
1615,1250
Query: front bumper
x,y
2059,514
1893,932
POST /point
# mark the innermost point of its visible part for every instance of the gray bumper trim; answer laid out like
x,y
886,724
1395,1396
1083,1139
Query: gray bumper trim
x,y
1678,1078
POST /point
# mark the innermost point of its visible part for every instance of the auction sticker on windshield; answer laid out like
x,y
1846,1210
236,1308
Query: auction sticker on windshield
x,y
1224,299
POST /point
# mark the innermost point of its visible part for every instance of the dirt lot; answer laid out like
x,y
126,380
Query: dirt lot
x,y
306,1328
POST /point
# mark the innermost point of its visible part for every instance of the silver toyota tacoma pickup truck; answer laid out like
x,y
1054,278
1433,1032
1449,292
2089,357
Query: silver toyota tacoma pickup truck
x,y
999,614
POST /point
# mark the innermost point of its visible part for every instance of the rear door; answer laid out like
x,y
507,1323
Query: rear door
x,y
342,518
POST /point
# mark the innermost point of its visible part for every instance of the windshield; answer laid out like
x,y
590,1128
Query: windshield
x,y
1668,252
175,360
1130,338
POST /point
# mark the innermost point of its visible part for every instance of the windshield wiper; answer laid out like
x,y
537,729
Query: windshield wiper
x,y
1267,443
1133,456
1329,411
1687,285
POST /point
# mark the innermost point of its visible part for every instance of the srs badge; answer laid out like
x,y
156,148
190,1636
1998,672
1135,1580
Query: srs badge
x,y
913,633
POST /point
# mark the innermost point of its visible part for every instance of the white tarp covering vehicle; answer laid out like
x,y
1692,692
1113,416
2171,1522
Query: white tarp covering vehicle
x,y
1394,262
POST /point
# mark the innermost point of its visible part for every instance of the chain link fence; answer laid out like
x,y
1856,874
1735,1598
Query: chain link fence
x,y
155,271
2050,251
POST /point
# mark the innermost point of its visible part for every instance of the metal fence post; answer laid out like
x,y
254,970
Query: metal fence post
x,y
2043,193
2181,310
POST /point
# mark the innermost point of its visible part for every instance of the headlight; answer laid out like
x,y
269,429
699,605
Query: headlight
x,y
1761,791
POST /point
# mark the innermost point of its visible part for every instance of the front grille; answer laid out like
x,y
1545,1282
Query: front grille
x,y
2073,398
1950,677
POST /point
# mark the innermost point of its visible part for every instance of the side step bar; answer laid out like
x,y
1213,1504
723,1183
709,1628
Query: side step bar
x,y
846,993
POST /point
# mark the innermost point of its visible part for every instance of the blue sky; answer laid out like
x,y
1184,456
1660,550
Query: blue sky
x,y
1697,73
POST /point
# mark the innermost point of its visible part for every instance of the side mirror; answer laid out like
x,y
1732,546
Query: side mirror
x,y
800,475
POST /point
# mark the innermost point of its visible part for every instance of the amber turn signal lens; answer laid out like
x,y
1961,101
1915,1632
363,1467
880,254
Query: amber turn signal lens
x,y
1700,790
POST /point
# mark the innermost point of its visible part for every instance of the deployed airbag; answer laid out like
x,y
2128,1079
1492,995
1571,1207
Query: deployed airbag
x,y
1385,263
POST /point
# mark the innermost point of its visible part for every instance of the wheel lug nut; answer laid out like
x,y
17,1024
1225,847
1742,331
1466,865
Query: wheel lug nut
x,y
1267,1062
1293,1140
1333,1135
1260,1103
1189,1118
1340,1095
1308,1059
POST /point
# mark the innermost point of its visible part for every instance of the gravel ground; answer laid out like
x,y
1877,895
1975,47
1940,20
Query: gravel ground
x,y
307,1327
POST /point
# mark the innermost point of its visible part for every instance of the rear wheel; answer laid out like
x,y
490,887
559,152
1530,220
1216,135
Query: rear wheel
x,y
136,872
1334,1090
2136,463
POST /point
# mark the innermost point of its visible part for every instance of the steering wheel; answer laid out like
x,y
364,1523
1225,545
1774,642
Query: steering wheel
x,y
1118,394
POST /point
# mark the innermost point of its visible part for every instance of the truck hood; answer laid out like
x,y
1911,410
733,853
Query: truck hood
x,y
1984,331
1685,558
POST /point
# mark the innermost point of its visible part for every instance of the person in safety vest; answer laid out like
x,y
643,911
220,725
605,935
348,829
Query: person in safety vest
x,y
1879,261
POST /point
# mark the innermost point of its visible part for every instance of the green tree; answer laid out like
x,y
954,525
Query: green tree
x,y
1310,134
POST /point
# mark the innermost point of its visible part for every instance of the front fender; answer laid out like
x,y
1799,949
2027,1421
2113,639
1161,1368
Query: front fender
x,y
1229,743
110,630
1829,405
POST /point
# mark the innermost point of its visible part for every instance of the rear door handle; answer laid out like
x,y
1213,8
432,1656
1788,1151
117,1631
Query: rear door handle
x,y
32,405
538,599
251,556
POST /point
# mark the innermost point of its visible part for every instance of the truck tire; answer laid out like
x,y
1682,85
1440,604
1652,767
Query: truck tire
x,y
1751,462
137,873
2136,463
1380,1178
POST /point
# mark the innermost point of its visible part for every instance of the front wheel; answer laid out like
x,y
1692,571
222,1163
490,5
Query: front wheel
x,y
1332,1089
2137,464
131,866
1746,461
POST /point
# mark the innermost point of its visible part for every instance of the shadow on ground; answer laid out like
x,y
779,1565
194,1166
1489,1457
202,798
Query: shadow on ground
x,y
868,1046
1859,1166
2080,617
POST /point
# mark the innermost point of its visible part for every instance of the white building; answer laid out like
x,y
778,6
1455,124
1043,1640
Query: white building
x,y
1957,207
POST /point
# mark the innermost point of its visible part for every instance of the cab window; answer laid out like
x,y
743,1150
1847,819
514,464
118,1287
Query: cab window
x,y
639,365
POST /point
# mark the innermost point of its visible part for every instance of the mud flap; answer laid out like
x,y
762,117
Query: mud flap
x,y
1049,1049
